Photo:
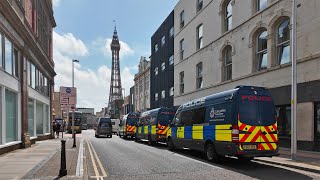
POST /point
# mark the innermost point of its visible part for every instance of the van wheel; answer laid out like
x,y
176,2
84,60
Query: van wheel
x,y
124,137
110,136
150,142
170,144
211,153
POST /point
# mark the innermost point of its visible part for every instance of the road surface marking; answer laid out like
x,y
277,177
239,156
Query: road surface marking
x,y
93,161
79,171
99,162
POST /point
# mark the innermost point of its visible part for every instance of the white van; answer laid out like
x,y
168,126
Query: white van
x,y
115,125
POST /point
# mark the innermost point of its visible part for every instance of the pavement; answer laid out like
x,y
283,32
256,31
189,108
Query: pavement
x,y
115,158
41,161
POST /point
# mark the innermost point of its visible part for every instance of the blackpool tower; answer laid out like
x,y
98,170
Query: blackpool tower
x,y
115,96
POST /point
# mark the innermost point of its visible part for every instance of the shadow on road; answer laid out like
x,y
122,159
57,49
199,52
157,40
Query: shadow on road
x,y
253,169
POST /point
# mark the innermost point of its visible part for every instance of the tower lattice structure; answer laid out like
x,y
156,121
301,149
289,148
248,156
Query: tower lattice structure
x,y
115,96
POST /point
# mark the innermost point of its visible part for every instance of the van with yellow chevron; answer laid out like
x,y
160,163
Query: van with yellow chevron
x,y
154,124
240,122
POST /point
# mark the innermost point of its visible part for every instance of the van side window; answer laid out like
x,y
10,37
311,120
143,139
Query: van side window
x,y
219,114
176,120
187,118
199,115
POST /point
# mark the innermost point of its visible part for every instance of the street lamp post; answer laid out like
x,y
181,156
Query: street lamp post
x,y
124,96
73,133
294,82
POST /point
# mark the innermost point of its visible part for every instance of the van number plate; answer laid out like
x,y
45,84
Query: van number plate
x,y
247,147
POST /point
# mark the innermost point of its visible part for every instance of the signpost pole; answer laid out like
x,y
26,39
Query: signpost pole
x,y
74,134
62,125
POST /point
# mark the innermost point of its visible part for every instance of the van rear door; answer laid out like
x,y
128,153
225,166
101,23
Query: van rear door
x,y
257,121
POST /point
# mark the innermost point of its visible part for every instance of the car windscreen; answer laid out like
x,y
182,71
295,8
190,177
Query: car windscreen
x,y
257,111
132,121
165,118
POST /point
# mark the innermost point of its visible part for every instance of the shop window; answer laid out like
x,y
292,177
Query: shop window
x,y
317,122
31,117
46,119
0,113
39,117
284,120
11,116
1,49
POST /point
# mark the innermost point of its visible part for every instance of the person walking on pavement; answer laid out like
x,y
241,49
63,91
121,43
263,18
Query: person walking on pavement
x,y
54,128
58,129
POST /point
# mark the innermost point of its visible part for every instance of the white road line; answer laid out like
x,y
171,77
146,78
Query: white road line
x,y
79,170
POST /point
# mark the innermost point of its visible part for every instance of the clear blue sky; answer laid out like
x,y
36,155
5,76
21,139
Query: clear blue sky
x,y
82,32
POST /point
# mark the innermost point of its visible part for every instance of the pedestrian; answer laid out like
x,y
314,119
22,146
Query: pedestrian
x,y
58,129
54,128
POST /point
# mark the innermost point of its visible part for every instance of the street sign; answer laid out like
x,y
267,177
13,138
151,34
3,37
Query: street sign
x,y
68,98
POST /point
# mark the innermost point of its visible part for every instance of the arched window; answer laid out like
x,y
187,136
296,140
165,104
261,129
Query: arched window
x,y
283,42
227,63
227,15
262,50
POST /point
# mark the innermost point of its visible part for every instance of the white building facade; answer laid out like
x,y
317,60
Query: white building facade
x,y
222,44
142,86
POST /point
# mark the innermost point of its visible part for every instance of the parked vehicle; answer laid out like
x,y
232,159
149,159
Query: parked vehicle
x,y
154,124
77,122
84,126
115,126
240,122
127,126
104,127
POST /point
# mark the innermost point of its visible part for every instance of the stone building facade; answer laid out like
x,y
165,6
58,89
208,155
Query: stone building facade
x,y
26,72
226,43
142,86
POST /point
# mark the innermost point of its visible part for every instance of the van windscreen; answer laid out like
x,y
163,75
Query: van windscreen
x,y
257,110
132,121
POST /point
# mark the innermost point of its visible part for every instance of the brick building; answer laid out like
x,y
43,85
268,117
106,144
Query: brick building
x,y
26,72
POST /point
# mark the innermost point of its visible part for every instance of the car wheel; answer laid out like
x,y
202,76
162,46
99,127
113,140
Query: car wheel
x,y
211,153
170,144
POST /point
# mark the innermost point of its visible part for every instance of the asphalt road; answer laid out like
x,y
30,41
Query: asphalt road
x,y
116,158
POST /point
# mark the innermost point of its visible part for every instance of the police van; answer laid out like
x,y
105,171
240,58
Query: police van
x,y
127,126
154,124
240,122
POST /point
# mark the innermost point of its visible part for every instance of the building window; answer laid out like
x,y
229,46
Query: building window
x,y
261,5
182,18
8,56
171,60
199,36
33,76
182,82
156,48
171,32
156,71
31,117
262,51
227,16
163,40
284,120
15,67
199,79
163,66
199,5
11,116
227,63
171,91
1,97
317,122
156,96
181,49
1,49
163,94
283,42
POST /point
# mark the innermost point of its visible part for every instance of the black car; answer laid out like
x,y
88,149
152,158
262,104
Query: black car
x,y
104,127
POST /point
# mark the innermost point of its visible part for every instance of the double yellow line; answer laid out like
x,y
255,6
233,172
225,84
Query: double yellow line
x,y
95,160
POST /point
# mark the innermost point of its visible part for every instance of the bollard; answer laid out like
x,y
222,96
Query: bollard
x,y
63,165
74,140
